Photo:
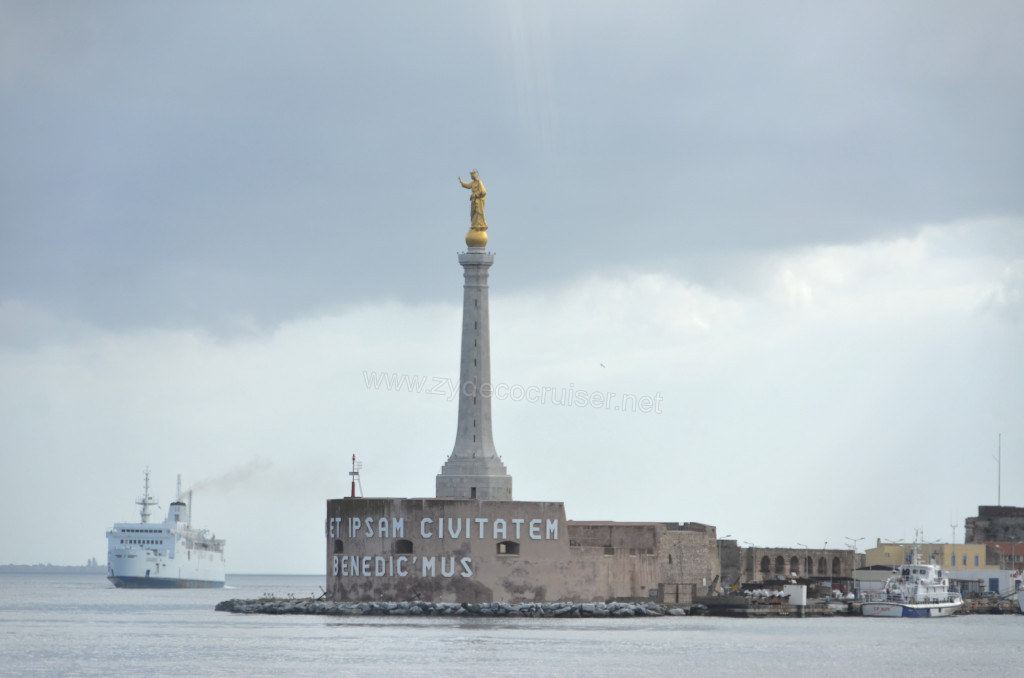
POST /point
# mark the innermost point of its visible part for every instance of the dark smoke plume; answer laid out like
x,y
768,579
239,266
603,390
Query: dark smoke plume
x,y
231,478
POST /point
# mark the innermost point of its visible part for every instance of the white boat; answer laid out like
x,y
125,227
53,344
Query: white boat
x,y
171,554
914,590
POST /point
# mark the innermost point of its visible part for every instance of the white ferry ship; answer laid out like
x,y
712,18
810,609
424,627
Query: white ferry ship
x,y
914,590
171,554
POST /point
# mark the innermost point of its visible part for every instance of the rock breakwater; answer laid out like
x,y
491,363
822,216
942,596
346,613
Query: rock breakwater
x,y
420,608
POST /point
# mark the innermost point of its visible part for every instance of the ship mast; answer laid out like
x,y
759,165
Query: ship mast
x,y
145,501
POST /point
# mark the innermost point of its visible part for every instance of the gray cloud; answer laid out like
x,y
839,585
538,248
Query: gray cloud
x,y
167,167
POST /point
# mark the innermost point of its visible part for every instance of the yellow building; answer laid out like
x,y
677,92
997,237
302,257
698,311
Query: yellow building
x,y
947,556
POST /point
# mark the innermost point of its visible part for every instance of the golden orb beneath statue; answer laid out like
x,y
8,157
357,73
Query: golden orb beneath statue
x,y
476,237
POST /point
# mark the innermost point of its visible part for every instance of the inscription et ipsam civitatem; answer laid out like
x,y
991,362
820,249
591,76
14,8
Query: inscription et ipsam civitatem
x,y
383,527
374,527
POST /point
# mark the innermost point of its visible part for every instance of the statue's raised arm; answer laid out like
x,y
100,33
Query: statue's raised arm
x,y
477,236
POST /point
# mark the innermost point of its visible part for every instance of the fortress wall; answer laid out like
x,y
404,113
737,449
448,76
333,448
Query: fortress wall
x,y
473,551
995,523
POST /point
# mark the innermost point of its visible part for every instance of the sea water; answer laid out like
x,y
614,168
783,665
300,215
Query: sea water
x,y
80,625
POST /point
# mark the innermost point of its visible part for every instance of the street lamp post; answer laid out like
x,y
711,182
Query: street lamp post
x,y
752,571
721,575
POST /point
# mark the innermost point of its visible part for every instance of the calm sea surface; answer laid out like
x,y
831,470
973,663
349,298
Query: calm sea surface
x,y
80,625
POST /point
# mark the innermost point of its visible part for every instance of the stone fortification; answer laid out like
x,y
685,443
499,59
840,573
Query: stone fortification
x,y
471,551
995,523
768,563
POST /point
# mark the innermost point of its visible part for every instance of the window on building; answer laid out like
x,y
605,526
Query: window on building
x,y
975,560
508,548
780,565
766,565
339,546
952,560
965,560
472,491
403,546
794,565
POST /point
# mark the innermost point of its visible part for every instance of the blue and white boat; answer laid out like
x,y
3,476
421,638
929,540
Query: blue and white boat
x,y
914,590
171,554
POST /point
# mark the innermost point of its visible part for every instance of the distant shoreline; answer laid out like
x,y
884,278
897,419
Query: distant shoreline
x,y
100,569
52,569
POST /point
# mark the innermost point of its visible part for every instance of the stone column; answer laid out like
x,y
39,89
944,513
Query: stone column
x,y
474,470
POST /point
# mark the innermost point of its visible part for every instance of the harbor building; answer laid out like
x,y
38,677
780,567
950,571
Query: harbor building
x,y
472,542
960,556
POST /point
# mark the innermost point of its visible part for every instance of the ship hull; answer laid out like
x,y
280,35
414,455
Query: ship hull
x,y
911,611
195,569
161,583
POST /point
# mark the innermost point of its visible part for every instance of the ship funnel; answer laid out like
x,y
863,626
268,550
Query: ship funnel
x,y
178,512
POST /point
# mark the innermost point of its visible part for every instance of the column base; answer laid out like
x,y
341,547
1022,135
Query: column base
x,y
491,488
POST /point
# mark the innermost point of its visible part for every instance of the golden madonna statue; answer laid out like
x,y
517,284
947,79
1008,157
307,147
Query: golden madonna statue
x,y
477,235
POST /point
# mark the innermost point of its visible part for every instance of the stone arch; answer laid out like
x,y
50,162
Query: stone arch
x,y
780,565
809,565
766,565
822,566
794,565
837,567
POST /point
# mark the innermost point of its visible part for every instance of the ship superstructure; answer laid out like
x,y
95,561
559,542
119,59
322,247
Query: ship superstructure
x,y
915,589
171,554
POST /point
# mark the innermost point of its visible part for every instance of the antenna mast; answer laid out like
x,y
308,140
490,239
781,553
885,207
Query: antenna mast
x,y
999,472
145,501
356,467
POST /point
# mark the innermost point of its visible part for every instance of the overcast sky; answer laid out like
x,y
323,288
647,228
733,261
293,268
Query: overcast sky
x,y
797,227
